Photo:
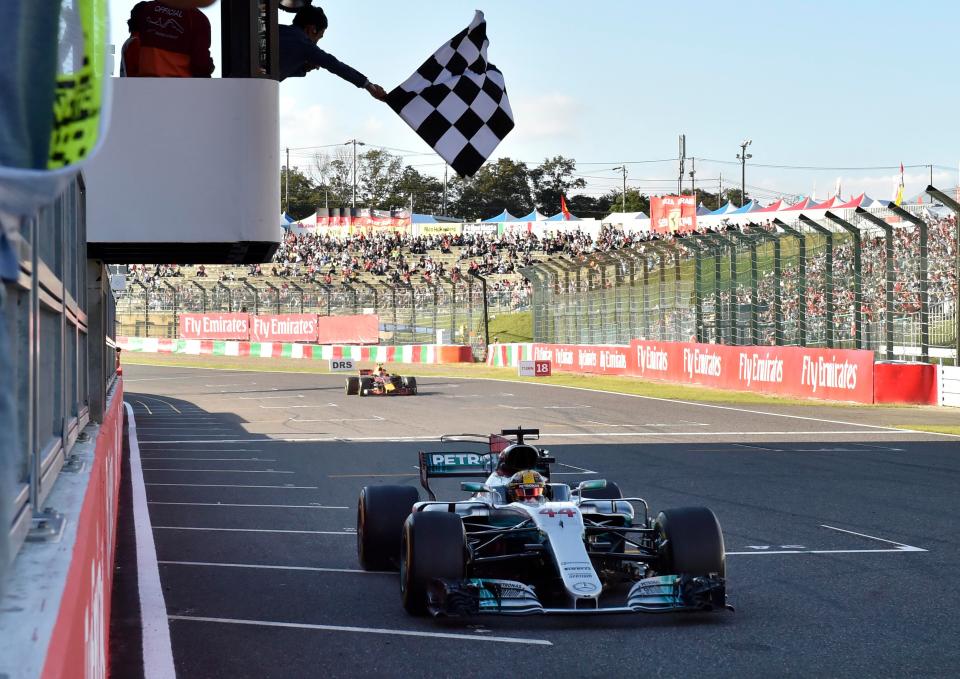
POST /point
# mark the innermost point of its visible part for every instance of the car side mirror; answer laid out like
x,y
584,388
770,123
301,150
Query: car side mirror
x,y
473,486
594,484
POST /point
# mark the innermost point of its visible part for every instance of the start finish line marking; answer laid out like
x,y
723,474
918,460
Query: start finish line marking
x,y
898,547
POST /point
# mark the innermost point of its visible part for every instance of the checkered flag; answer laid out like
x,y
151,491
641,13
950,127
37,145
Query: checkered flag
x,y
457,101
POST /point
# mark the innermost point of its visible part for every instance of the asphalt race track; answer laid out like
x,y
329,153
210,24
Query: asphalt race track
x,y
842,536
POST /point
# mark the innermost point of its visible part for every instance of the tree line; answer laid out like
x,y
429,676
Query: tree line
x,y
384,182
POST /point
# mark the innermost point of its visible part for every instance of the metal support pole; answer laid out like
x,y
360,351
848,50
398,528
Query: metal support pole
x,y
857,278
955,207
923,274
646,297
692,243
888,277
828,279
801,280
761,235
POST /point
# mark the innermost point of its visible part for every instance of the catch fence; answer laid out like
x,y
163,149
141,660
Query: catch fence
x,y
445,311
880,279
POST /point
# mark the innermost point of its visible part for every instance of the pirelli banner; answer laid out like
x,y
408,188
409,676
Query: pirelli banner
x,y
832,374
309,328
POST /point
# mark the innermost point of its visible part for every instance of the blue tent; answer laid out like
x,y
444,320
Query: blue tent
x,y
703,210
423,219
502,217
559,218
534,216
726,209
743,209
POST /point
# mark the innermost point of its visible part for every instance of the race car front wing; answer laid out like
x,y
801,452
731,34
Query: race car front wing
x,y
660,594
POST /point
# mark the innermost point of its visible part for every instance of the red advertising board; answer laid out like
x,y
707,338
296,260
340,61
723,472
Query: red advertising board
x,y
610,359
284,328
80,641
673,213
834,374
215,326
360,329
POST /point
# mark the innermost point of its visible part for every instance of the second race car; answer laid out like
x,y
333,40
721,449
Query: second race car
x,y
379,382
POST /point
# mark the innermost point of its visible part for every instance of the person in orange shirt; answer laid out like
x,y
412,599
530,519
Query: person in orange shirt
x,y
167,42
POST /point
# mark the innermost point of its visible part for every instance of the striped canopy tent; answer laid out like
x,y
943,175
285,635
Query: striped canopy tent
x,y
502,217
852,203
772,207
872,202
802,205
535,216
744,209
725,210
828,204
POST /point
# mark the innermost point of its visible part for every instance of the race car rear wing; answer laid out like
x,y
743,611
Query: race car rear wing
x,y
454,464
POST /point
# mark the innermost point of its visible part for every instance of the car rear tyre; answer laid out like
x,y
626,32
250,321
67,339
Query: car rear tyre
x,y
366,384
353,386
691,542
381,512
610,492
433,546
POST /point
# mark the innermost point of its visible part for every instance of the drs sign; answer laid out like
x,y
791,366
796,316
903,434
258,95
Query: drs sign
x,y
534,369
341,365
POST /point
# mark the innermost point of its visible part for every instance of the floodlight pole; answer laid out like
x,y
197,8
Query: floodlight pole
x,y
353,200
743,156
286,183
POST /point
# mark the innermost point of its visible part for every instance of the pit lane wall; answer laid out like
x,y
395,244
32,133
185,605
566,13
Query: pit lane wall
x,y
830,374
55,618
408,353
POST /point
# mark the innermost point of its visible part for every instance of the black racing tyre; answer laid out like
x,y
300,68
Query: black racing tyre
x,y
610,492
381,512
691,542
353,386
433,546
366,383
411,384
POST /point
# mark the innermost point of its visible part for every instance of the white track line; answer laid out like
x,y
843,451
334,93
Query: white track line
x,y
258,530
828,551
308,569
157,650
237,504
166,403
364,630
545,435
902,547
213,459
225,471
231,485
265,398
649,398
146,407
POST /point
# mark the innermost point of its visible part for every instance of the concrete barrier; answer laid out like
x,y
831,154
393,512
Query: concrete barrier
x,y
408,353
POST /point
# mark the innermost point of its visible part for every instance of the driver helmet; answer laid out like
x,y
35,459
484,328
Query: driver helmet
x,y
526,486
380,369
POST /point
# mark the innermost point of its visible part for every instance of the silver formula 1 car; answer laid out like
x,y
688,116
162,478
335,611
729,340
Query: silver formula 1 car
x,y
521,544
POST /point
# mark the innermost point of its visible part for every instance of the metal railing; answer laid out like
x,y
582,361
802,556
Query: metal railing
x,y
55,328
883,279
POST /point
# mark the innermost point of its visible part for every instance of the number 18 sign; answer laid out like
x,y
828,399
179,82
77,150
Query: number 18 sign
x,y
534,368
